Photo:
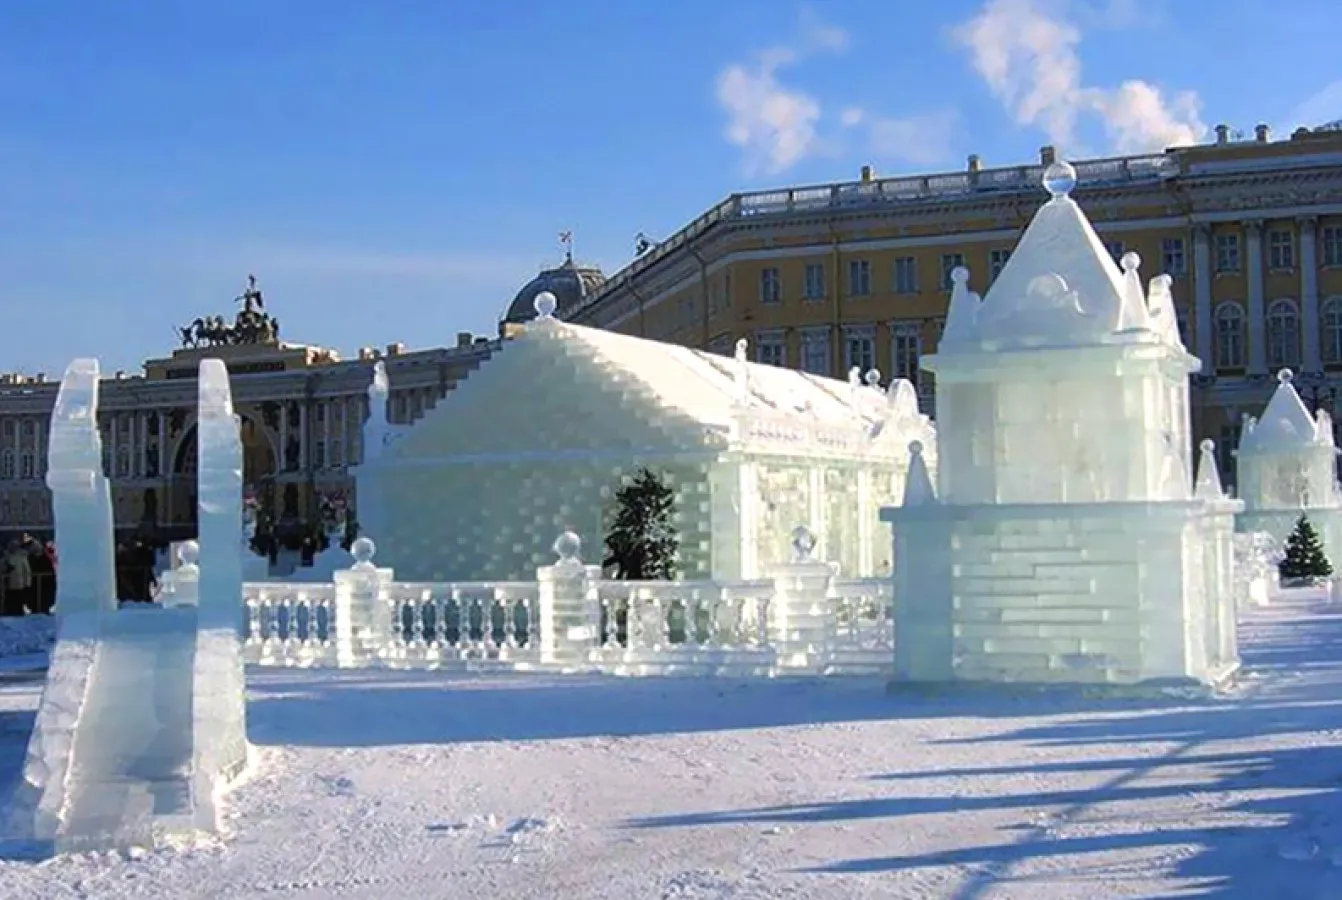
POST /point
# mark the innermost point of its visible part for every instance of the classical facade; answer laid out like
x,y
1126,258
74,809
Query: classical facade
x,y
858,274
301,407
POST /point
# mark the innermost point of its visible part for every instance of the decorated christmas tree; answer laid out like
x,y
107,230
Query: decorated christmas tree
x,y
642,542
1305,559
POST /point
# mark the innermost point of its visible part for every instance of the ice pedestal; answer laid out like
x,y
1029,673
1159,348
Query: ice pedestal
x,y
141,720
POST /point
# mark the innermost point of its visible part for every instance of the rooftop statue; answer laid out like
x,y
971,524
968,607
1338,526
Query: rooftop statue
x,y
252,324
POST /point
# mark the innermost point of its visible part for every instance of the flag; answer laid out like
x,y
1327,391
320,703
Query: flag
x,y
566,237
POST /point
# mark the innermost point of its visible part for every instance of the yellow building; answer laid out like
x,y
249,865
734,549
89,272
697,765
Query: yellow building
x,y
302,410
857,274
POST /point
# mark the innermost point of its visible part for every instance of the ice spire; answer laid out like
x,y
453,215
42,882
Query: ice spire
x,y
962,316
918,489
1208,485
377,427
1133,316
1164,320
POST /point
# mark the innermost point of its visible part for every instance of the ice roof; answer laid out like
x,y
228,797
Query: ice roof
x,y
1060,286
711,388
1286,425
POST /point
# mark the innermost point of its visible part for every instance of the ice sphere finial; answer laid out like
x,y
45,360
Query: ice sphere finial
x,y
1060,179
1285,376
567,547
742,346
803,544
362,550
873,378
959,275
189,553
1130,262
545,305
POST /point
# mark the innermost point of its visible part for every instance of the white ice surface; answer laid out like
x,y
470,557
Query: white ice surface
x,y
395,784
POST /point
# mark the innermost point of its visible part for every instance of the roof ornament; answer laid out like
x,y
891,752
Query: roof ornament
x,y
742,370
545,305
1060,180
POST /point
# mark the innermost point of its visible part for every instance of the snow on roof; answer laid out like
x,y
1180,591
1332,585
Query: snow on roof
x,y
713,389
1060,286
1286,425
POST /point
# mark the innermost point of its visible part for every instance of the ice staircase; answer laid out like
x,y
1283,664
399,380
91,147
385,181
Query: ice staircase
x,y
142,718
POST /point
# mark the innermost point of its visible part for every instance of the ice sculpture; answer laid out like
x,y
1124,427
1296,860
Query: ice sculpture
x,y
1286,466
141,719
1062,539
81,495
538,438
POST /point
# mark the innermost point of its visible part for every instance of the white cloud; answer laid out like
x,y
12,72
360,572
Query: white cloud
x,y
1320,108
1027,52
776,125
922,140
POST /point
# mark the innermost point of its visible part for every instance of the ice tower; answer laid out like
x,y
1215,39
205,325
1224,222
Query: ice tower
x,y
1063,539
141,720
1286,466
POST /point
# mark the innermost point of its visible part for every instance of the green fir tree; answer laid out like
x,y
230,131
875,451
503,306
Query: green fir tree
x,y
642,542
1305,559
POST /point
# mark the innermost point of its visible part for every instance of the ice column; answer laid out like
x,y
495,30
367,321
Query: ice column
x,y
80,495
219,716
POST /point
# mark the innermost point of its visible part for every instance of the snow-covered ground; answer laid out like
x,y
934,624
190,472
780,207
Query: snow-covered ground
x,y
387,785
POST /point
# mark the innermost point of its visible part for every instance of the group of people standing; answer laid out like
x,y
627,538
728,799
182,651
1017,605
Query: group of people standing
x,y
28,577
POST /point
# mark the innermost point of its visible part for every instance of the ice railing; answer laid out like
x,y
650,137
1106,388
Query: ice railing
x,y
630,627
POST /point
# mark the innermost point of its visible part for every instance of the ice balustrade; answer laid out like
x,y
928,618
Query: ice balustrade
x,y
628,627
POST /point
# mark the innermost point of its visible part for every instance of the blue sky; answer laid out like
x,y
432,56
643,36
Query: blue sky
x,y
395,171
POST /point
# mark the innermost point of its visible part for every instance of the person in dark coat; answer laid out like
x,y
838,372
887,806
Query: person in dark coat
x,y
43,595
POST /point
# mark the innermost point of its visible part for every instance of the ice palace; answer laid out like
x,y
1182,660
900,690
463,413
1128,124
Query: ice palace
x,y
1051,531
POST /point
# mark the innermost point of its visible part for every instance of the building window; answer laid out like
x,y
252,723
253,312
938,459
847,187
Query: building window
x,y
6,464
1332,246
949,263
1225,451
1283,334
906,275
319,454
1172,256
997,260
1116,250
859,278
771,286
1331,339
815,353
814,289
1230,336
1280,249
860,350
1227,253
905,350
27,464
771,349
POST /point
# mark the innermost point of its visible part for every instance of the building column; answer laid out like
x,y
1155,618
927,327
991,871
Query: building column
x,y
142,420
345,407
284,438
18,449
328,410
1309,293
303,461
1253,230
164,464
114,424
1202,293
